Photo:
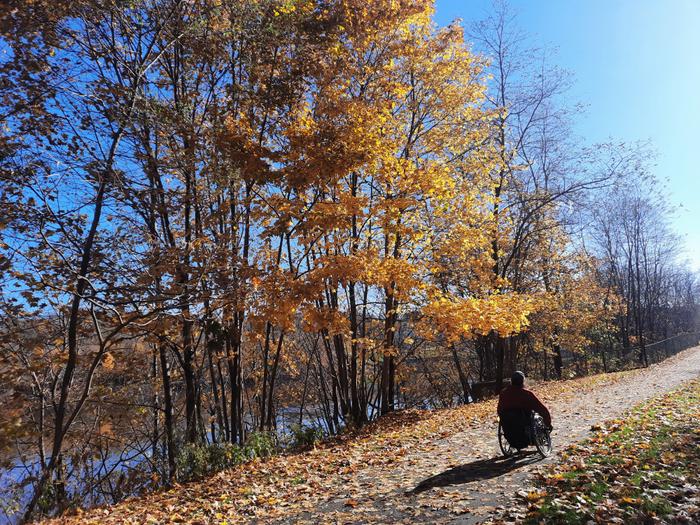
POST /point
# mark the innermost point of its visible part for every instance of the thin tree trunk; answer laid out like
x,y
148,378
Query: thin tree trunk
x,y
466,391
168,409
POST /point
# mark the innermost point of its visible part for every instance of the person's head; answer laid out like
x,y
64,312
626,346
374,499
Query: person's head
x,y
517,379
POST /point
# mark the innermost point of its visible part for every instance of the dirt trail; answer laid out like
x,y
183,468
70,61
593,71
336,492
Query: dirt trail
x,y
462,478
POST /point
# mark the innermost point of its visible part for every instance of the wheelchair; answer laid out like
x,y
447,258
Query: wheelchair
x,y
518,429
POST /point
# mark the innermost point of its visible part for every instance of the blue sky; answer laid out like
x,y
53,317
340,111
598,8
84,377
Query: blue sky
x,y
636,65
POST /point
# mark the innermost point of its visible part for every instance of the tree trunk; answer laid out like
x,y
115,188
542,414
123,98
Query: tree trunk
x,y
466,391
61,410
168,409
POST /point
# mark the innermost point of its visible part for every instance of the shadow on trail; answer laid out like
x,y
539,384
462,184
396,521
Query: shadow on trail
x,y
477,470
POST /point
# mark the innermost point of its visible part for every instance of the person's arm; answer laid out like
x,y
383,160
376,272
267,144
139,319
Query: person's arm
x,y
537,406
500,403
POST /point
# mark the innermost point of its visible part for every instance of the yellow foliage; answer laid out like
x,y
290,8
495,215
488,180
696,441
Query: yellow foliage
x,y
451,318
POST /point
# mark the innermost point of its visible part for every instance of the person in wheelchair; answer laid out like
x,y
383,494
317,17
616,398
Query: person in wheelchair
x,y
515,406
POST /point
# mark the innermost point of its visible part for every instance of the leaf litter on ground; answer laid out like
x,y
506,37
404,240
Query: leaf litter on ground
x,y
290,484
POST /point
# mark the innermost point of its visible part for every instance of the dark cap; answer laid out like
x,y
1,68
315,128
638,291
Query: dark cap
x,y
517,379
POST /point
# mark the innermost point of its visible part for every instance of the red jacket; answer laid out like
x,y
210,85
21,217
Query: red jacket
x,y
513,397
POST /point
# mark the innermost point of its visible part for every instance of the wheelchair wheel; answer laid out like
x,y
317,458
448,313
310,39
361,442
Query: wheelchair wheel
x,y
540,436
506,449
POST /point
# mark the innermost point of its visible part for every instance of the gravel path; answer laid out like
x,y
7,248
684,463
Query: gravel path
x,y
462,478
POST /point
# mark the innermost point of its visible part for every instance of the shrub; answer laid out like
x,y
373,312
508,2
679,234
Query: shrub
x,y
304,436
260,444
225,455
196,461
